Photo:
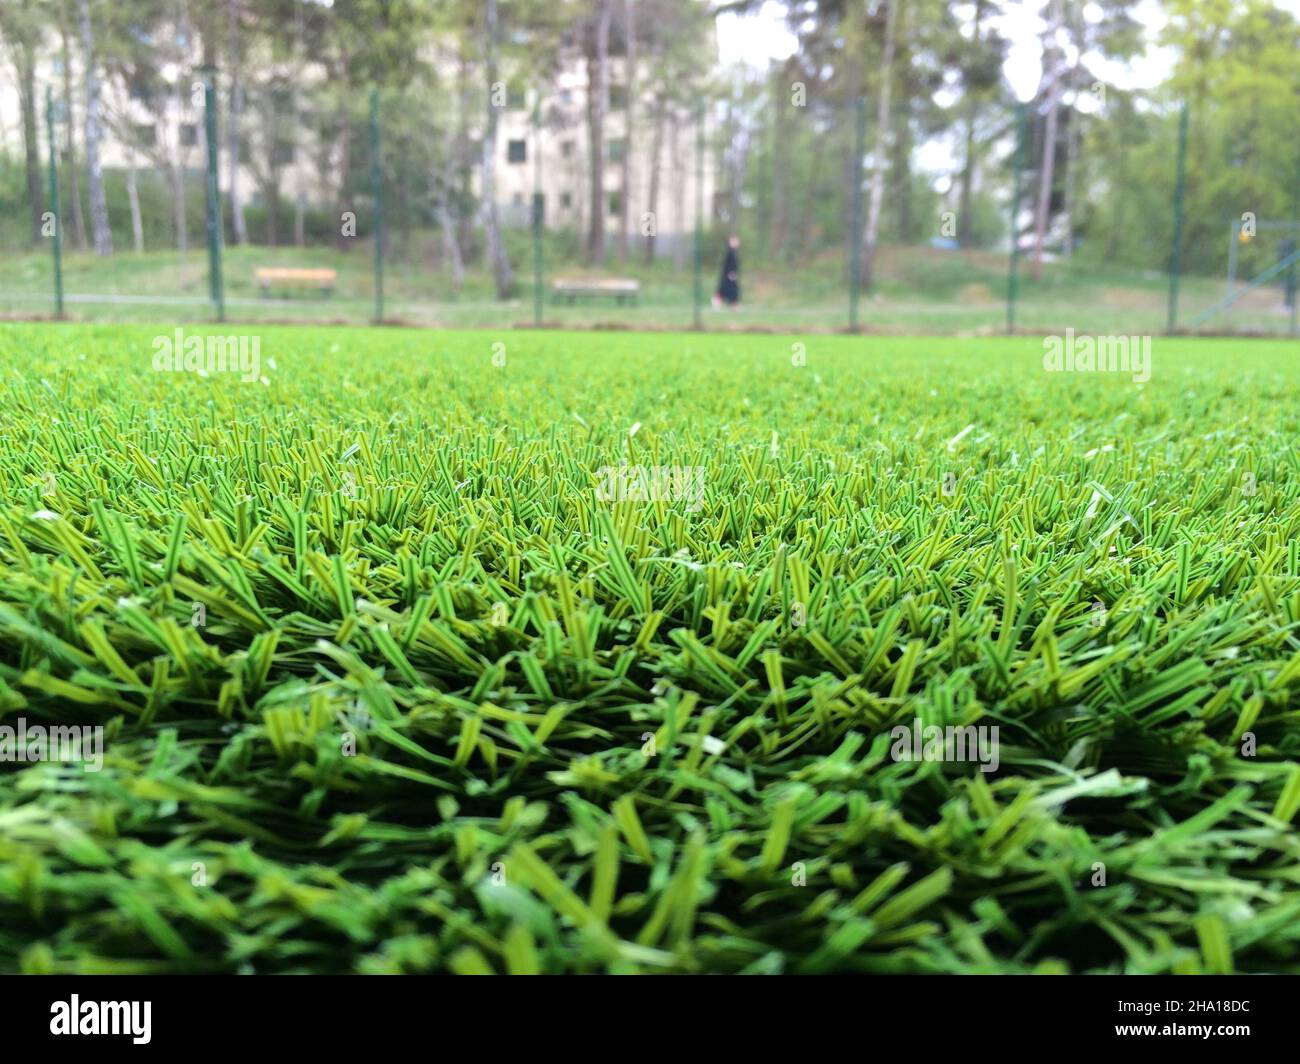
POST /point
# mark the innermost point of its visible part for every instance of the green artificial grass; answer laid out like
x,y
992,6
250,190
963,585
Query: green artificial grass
x,y
450,710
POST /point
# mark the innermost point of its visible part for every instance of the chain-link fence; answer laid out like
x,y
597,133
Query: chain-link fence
x,y
1089,209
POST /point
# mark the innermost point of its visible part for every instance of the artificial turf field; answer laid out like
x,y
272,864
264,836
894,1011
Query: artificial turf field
x,y
450,710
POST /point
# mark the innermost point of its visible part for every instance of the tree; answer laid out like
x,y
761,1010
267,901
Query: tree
x,y
981,73
1053,73
156,78
660,114
70,167
871,232
629,139
1076,31
234,122
502,273
103,237
21,27
596,39
671,56
359,45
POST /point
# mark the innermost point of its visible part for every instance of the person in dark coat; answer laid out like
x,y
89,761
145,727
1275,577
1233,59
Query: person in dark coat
x,y
729,282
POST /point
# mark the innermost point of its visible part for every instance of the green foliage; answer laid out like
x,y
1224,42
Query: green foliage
x,y
598,735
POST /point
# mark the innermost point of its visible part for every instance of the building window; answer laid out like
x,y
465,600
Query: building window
x,y
517,151
618,97
566,200
617,149
615,203
566,149
566,96
189,134
145,135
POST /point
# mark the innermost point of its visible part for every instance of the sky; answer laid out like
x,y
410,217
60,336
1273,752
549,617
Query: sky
x,y
759,38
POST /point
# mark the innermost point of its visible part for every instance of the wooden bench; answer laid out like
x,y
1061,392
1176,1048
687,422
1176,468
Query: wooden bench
x,y
294,277
620,289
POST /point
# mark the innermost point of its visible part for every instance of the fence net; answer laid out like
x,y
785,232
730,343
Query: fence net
x,y
455,205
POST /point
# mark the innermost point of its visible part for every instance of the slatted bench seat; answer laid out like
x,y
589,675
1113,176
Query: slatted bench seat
x,y
622,290
294,277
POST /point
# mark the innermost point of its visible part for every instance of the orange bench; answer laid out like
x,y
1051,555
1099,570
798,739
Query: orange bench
x,y
292,277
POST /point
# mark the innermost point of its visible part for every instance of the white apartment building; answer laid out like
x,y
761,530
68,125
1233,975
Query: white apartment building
x,y
565,147
163,129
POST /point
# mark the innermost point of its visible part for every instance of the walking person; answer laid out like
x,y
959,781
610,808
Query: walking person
x,y
729,282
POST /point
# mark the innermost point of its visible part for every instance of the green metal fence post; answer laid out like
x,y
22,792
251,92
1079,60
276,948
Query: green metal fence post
x,y
216,289
1013,266
1175,263
376,189
855,253
1295,244
699,211
54,206
538,208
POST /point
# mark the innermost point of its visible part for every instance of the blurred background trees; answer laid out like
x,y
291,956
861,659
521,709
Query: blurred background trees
x,y
620,82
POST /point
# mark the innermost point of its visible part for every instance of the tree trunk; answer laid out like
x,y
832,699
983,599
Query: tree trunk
x,y
25,66
345,161
597,103
103,237
1046,175
133,198
780,204
70,145
901,173
625,200
1072,134
1051,60
300,196
871,233
1071,152
679,187
652,194
442,184
965,206
496,250
178,203
233,134
463,163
